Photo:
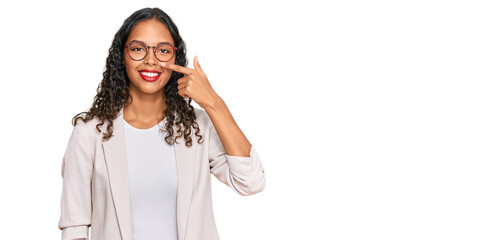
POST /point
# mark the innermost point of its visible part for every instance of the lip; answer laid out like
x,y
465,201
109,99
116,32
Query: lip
x,y
149,79
148,70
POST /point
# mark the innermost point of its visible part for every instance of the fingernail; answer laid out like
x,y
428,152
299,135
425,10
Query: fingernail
x,y
163,64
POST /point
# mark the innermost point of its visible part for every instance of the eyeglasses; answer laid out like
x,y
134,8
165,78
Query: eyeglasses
x,y
138,51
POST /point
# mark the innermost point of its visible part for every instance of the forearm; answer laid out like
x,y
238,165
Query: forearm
x,y
233,139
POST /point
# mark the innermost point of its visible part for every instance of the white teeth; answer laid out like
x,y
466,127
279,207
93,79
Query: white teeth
x,y
149,74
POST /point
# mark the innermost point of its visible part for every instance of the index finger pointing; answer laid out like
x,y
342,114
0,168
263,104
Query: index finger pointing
x,y
178,68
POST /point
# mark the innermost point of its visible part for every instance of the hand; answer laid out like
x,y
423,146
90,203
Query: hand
x,y
194,84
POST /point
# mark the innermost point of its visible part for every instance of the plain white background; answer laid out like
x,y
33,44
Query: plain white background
x,y
373,119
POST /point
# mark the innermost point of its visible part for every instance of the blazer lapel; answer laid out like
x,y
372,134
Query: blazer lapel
x,y
117,167
185,162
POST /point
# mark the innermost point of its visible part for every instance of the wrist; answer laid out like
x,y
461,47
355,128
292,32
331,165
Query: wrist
x,y
214,104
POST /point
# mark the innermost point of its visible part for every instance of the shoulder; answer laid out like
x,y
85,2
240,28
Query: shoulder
x,y
201,114
88,129
202,118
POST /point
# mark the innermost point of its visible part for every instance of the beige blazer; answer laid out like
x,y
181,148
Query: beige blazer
x,y
96,185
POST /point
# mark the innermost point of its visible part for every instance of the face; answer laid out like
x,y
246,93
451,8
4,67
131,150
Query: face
x,y
151,32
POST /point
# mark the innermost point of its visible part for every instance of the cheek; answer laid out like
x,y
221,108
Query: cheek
x,y
167,75
129,64
130,67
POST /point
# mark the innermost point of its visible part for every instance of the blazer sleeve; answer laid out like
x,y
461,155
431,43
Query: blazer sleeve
x,y
76,170
245,175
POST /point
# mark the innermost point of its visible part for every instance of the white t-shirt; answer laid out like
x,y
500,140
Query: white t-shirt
x,y
153,183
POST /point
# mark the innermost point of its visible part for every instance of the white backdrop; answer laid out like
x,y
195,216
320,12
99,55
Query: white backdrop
x,y
373,119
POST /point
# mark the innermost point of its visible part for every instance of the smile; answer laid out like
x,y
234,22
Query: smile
x,y
149,76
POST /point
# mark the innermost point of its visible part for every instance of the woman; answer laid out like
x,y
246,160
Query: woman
x,y
125,172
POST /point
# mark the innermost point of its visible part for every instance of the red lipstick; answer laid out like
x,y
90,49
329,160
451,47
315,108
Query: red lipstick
x,y
150,75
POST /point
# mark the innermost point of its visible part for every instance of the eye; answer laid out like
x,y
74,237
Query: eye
x,y
136,49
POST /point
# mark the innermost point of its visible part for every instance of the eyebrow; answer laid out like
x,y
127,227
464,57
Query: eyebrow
x,y
146,44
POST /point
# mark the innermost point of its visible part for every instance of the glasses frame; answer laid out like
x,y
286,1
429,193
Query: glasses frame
x,y
148,47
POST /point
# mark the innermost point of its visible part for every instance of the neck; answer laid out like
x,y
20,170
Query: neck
x,y
145,107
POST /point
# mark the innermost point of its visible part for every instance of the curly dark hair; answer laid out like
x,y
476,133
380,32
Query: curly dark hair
x,y
113,91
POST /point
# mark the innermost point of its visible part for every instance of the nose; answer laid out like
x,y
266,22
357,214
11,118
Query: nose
x,y
150,58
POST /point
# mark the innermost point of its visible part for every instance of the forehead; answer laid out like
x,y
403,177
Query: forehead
x,y
151,32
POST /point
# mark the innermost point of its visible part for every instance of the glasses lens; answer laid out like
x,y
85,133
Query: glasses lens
x,y
164,52
137,51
